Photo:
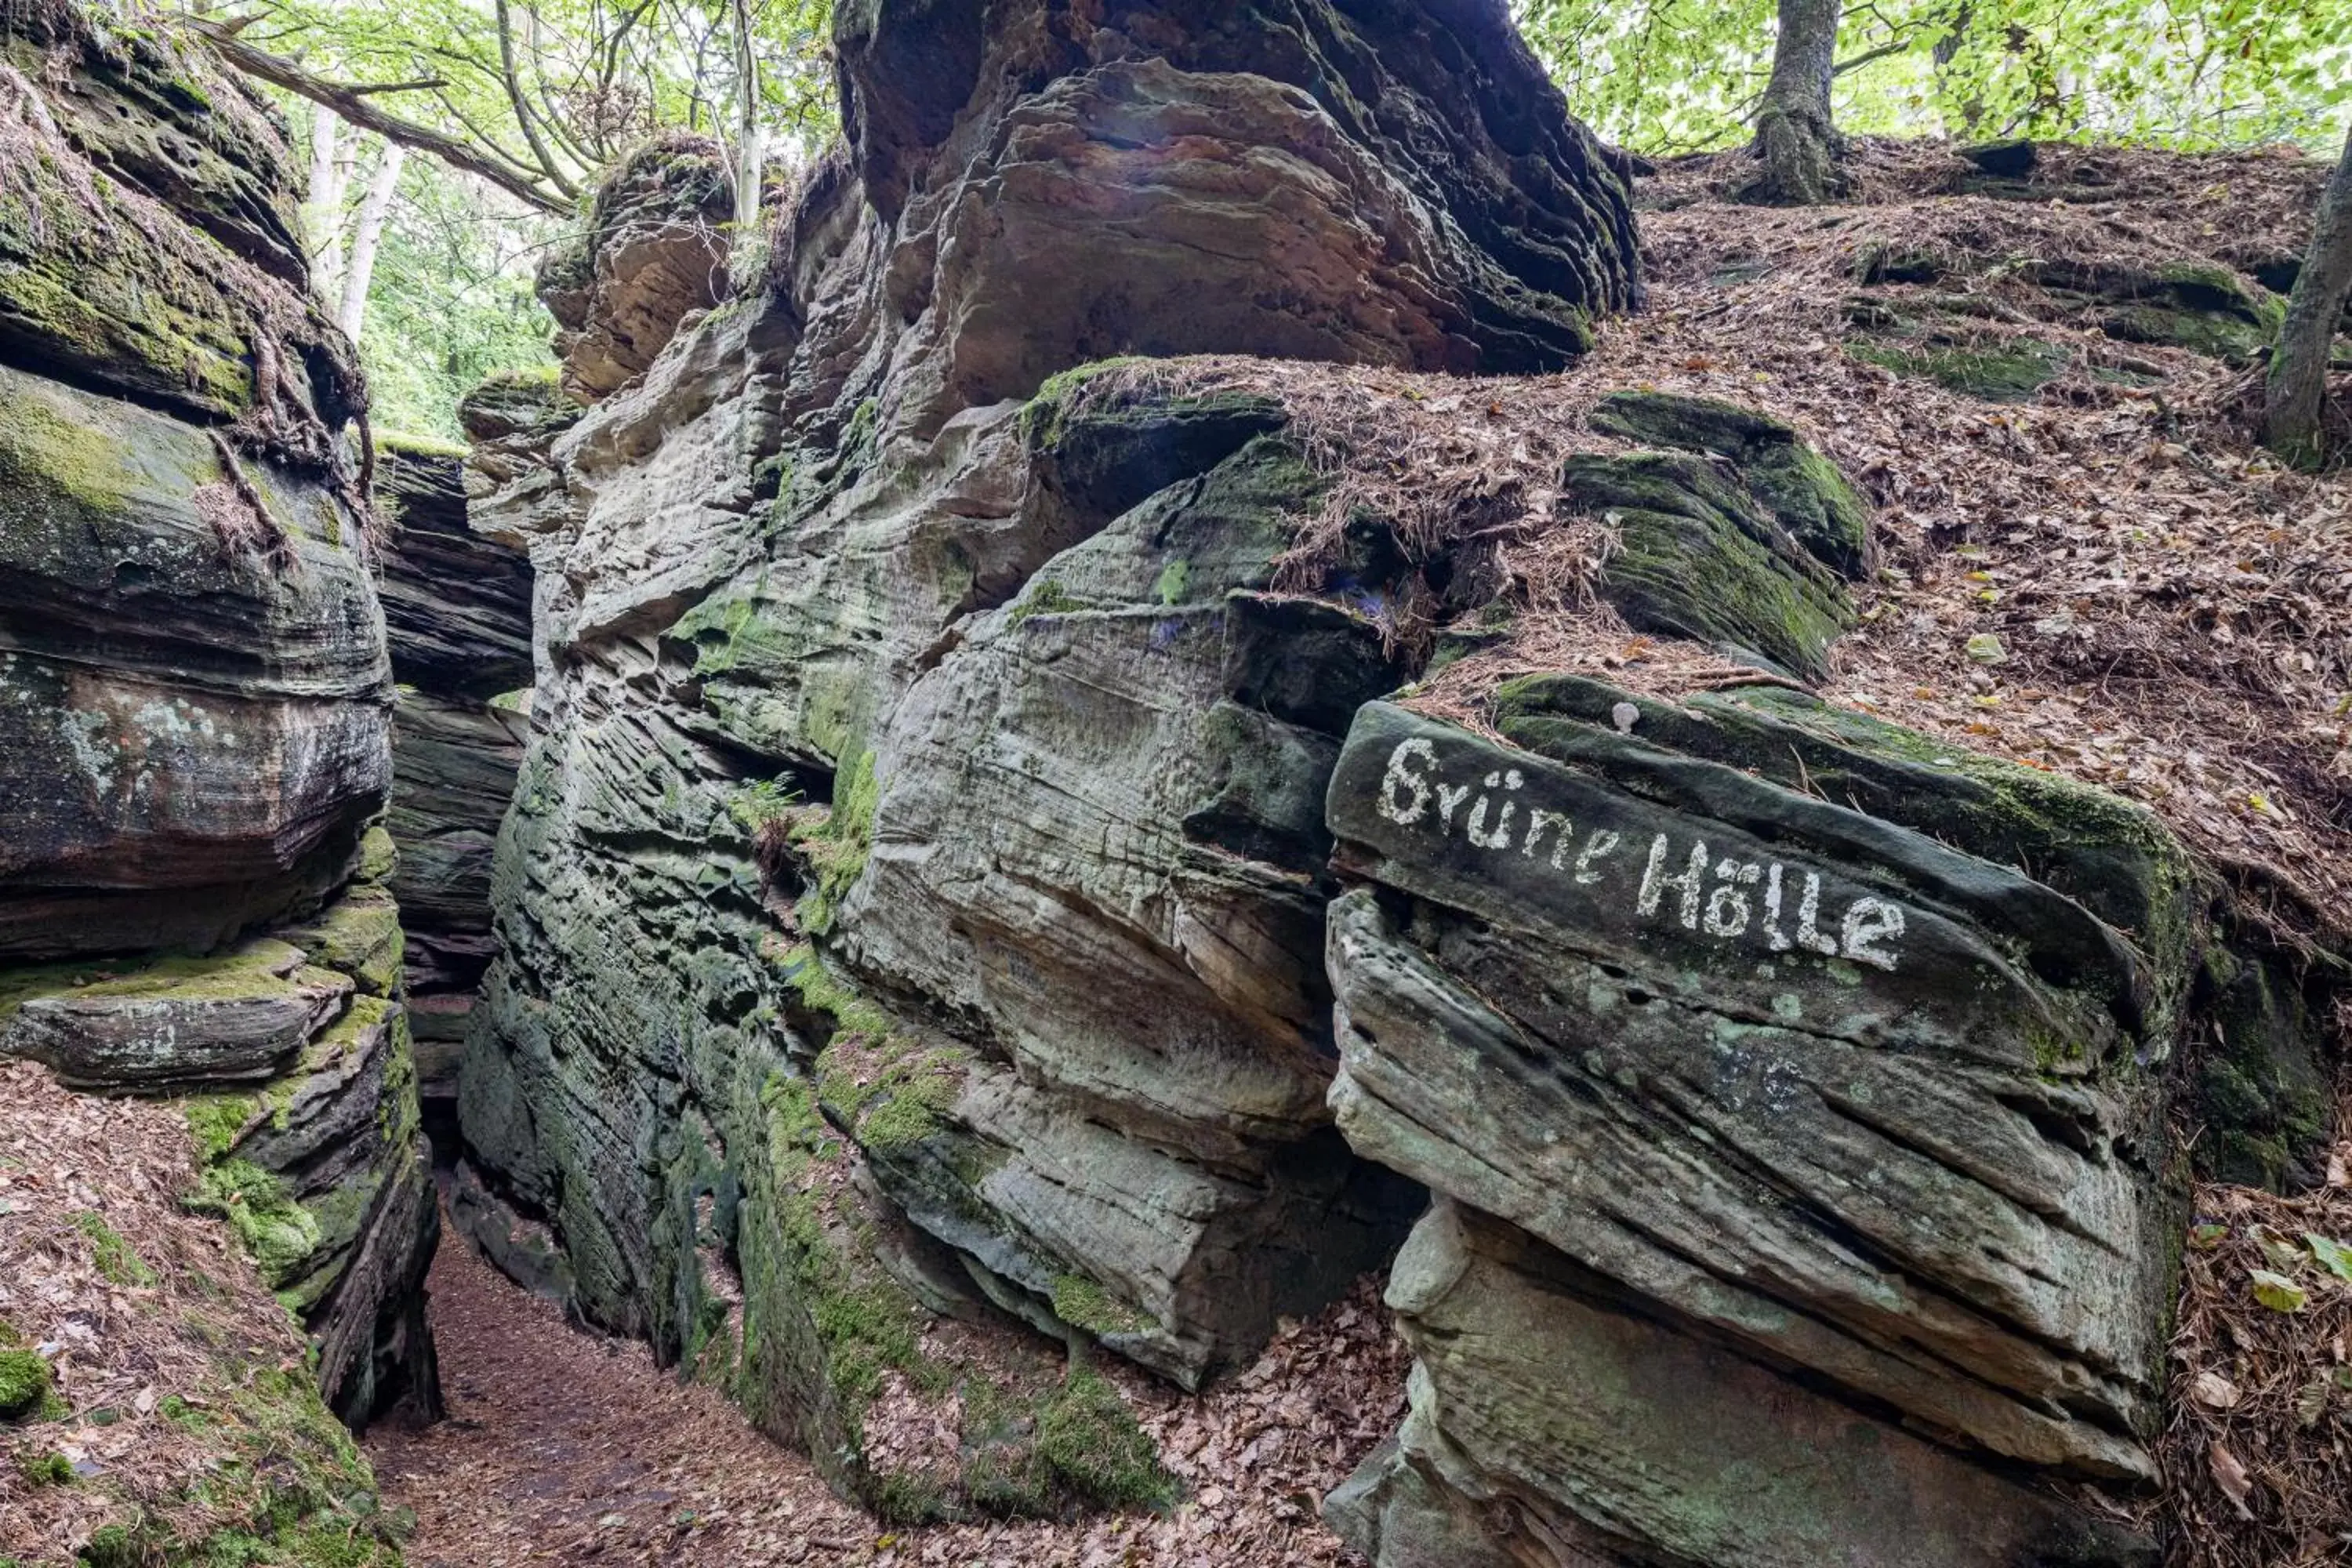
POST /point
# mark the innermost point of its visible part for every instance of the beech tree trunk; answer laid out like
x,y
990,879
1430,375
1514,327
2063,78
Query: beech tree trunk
x,y
353,315
322,213
1795,142
2298,378
751,154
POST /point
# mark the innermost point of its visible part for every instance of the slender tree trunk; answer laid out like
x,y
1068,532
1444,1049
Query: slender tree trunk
x,y
322,213
1794,138
352,316
2298,379
749,155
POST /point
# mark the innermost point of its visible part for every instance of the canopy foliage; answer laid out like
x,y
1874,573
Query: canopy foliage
x,y
1665,77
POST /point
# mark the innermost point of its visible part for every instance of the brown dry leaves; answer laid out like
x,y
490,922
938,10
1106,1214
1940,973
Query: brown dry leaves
x,y
2258,1457
120,1349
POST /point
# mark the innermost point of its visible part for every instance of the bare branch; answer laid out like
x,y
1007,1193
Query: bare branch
x,y
428,84
523,115
356,108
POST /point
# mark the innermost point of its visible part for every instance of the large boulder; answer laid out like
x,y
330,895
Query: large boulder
x,y
195,697
193,694
1797,1107
194,700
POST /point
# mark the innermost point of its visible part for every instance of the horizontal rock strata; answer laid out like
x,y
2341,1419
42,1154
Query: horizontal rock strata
x,y
913,891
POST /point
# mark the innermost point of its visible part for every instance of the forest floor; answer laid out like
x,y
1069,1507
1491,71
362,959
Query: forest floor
x,y
565,1446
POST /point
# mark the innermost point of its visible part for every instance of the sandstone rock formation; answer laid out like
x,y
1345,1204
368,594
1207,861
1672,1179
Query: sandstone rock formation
x,y
912,900
652,251
195,697
1803,1082
457,617
192,715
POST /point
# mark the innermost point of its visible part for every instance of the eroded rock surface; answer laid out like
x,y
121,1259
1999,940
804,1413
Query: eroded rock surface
x,y
195,696
458,614
913,892
651,252
193,691
1800,1106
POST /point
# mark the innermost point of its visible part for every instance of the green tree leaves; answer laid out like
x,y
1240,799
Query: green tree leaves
x,y
1674,76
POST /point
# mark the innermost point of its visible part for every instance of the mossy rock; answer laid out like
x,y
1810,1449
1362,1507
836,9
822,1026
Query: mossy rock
x,y
278,1233
2013,371
1801,488
359,935
1103,451
529,401
2261,1077
2110,855
1700,559
26,1383
2196,305
237,1017
827,1332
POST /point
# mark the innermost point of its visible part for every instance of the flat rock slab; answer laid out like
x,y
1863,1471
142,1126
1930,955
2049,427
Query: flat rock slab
x,y
1858,1102
181,1021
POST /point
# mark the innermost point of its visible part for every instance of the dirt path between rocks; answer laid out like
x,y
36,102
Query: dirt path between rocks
x,y
563,1447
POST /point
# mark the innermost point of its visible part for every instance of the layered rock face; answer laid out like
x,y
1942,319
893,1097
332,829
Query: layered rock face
x,y
457,611
968,870
913,898
190,738
1799,1106
194,699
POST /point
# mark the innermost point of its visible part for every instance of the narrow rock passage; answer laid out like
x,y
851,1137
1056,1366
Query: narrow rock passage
x,y
563,1447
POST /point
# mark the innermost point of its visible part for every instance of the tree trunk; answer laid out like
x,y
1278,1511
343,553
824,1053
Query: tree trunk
x,y
749,155
352,316
322,213
2298,379
1794,138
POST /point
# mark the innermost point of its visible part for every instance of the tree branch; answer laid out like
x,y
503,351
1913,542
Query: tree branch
x,y
354,107
523,116
427,85
1901,45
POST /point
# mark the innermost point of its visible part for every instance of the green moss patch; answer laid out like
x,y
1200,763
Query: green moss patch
x,y
278,1233
1083,1304
25,1383
1045,597
217,1121
1088,1440
837,841
2010,372
45,1469
888,1091
114,1257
